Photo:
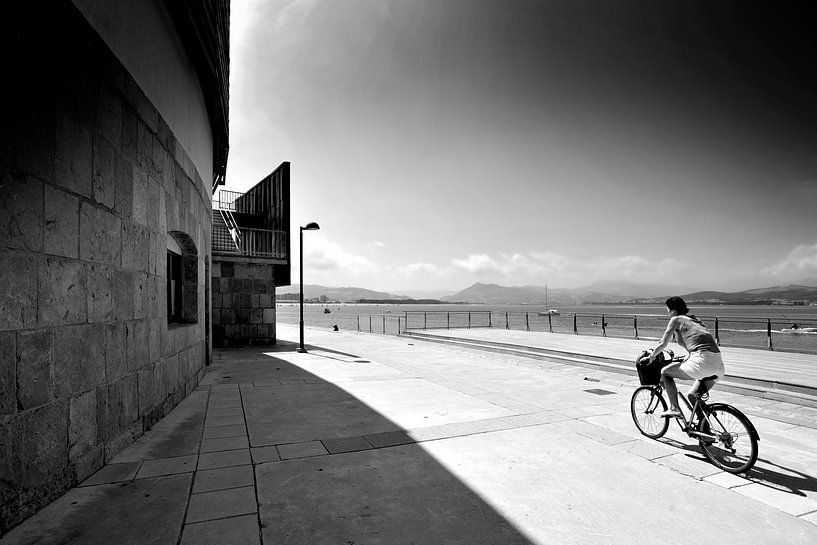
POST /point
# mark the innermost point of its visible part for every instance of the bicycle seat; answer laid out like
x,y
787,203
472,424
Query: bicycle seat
x,y
713,377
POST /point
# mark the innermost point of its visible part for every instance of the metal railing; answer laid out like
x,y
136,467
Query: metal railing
x,y
227,200
736,331
253,242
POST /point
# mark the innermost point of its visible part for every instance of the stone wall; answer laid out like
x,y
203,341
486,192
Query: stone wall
x,y
93,180
243,301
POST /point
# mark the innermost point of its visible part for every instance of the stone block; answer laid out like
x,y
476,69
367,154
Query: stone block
x,y
100,293
8,374
227,271
172,210
123,193
100,235
144,146
242,315
160,385
268,316
140,296
227,316
160,161
43,442
157,332
11,454
256,315
265,300
146,384
125,394
104,173
60,223
122,289
138,338
109,116
154,188
62,292
139,207
79,359
18,306
35,355
135,246
116,351
21,211
242,300
255,300
82,424
33,136
73,156
87,464
215,270
130,135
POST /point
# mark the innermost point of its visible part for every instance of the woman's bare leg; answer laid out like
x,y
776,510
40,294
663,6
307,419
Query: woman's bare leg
x,y
668,374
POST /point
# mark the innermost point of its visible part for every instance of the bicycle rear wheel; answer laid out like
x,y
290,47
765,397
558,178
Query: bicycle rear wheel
x,y
734,448
645,406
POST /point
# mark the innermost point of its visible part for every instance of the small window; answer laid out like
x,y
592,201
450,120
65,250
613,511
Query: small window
x,y
182,279
174,287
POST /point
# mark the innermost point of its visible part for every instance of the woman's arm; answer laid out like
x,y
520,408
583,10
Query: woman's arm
x,y
671,327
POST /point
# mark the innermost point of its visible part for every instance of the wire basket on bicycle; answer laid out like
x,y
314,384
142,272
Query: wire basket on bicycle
x,y
650,373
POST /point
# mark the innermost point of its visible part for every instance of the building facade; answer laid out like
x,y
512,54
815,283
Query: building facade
x,y
251,257
114,135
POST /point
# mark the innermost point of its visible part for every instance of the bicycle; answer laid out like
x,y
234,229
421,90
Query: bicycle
x,y
726,436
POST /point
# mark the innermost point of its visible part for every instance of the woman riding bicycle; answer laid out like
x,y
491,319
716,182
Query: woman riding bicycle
x,y
704,364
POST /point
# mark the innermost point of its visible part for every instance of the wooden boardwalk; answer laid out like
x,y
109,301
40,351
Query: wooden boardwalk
x,y
792,371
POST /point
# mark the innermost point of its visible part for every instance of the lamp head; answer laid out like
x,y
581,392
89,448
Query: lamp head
x,y
311,226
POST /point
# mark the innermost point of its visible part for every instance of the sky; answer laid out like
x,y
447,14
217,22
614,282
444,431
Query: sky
x,y
439,143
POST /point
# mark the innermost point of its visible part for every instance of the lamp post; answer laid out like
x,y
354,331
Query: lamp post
x,y
311,226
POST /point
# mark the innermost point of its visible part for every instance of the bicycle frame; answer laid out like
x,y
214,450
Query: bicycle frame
x,y
689,425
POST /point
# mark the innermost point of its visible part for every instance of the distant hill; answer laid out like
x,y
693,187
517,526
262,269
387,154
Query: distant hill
x,y
757,296
626,293
345,294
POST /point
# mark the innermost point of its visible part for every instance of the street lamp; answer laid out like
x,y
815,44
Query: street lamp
x,y
311,226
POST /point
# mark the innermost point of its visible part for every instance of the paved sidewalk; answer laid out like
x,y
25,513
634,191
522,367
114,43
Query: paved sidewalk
x,y
371,439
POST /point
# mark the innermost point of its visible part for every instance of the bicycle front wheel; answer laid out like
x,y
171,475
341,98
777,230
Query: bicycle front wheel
x,y
645,406
731,446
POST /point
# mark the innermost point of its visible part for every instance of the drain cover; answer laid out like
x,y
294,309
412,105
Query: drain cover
x,y
599,392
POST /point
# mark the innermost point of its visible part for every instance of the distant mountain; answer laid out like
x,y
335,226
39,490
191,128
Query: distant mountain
x,y
494,294
756,296
623,292
345,294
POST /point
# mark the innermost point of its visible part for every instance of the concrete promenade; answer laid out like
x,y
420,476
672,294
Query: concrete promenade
x,y
371,439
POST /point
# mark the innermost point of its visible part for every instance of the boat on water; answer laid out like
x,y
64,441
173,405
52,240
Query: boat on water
x,y
551,312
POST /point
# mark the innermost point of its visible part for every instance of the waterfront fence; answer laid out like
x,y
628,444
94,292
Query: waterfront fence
x,y
735,331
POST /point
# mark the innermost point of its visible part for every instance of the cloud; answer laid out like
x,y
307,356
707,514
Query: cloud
x,y
377,244
800,261
321,254
414,268
541,267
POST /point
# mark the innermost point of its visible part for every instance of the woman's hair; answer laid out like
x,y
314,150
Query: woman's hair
x,y
677,304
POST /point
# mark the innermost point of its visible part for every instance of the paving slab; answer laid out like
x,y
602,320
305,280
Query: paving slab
x,y
222,478
146,511
220,504
241,530
226,458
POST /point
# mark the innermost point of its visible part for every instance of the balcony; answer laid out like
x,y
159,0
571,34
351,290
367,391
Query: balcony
x,y
254,224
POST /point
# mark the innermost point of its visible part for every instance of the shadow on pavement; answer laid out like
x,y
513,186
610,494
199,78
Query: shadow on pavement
x,y
786,479
347,474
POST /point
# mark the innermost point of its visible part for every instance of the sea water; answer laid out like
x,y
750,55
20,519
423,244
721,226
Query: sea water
x,y
737,325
